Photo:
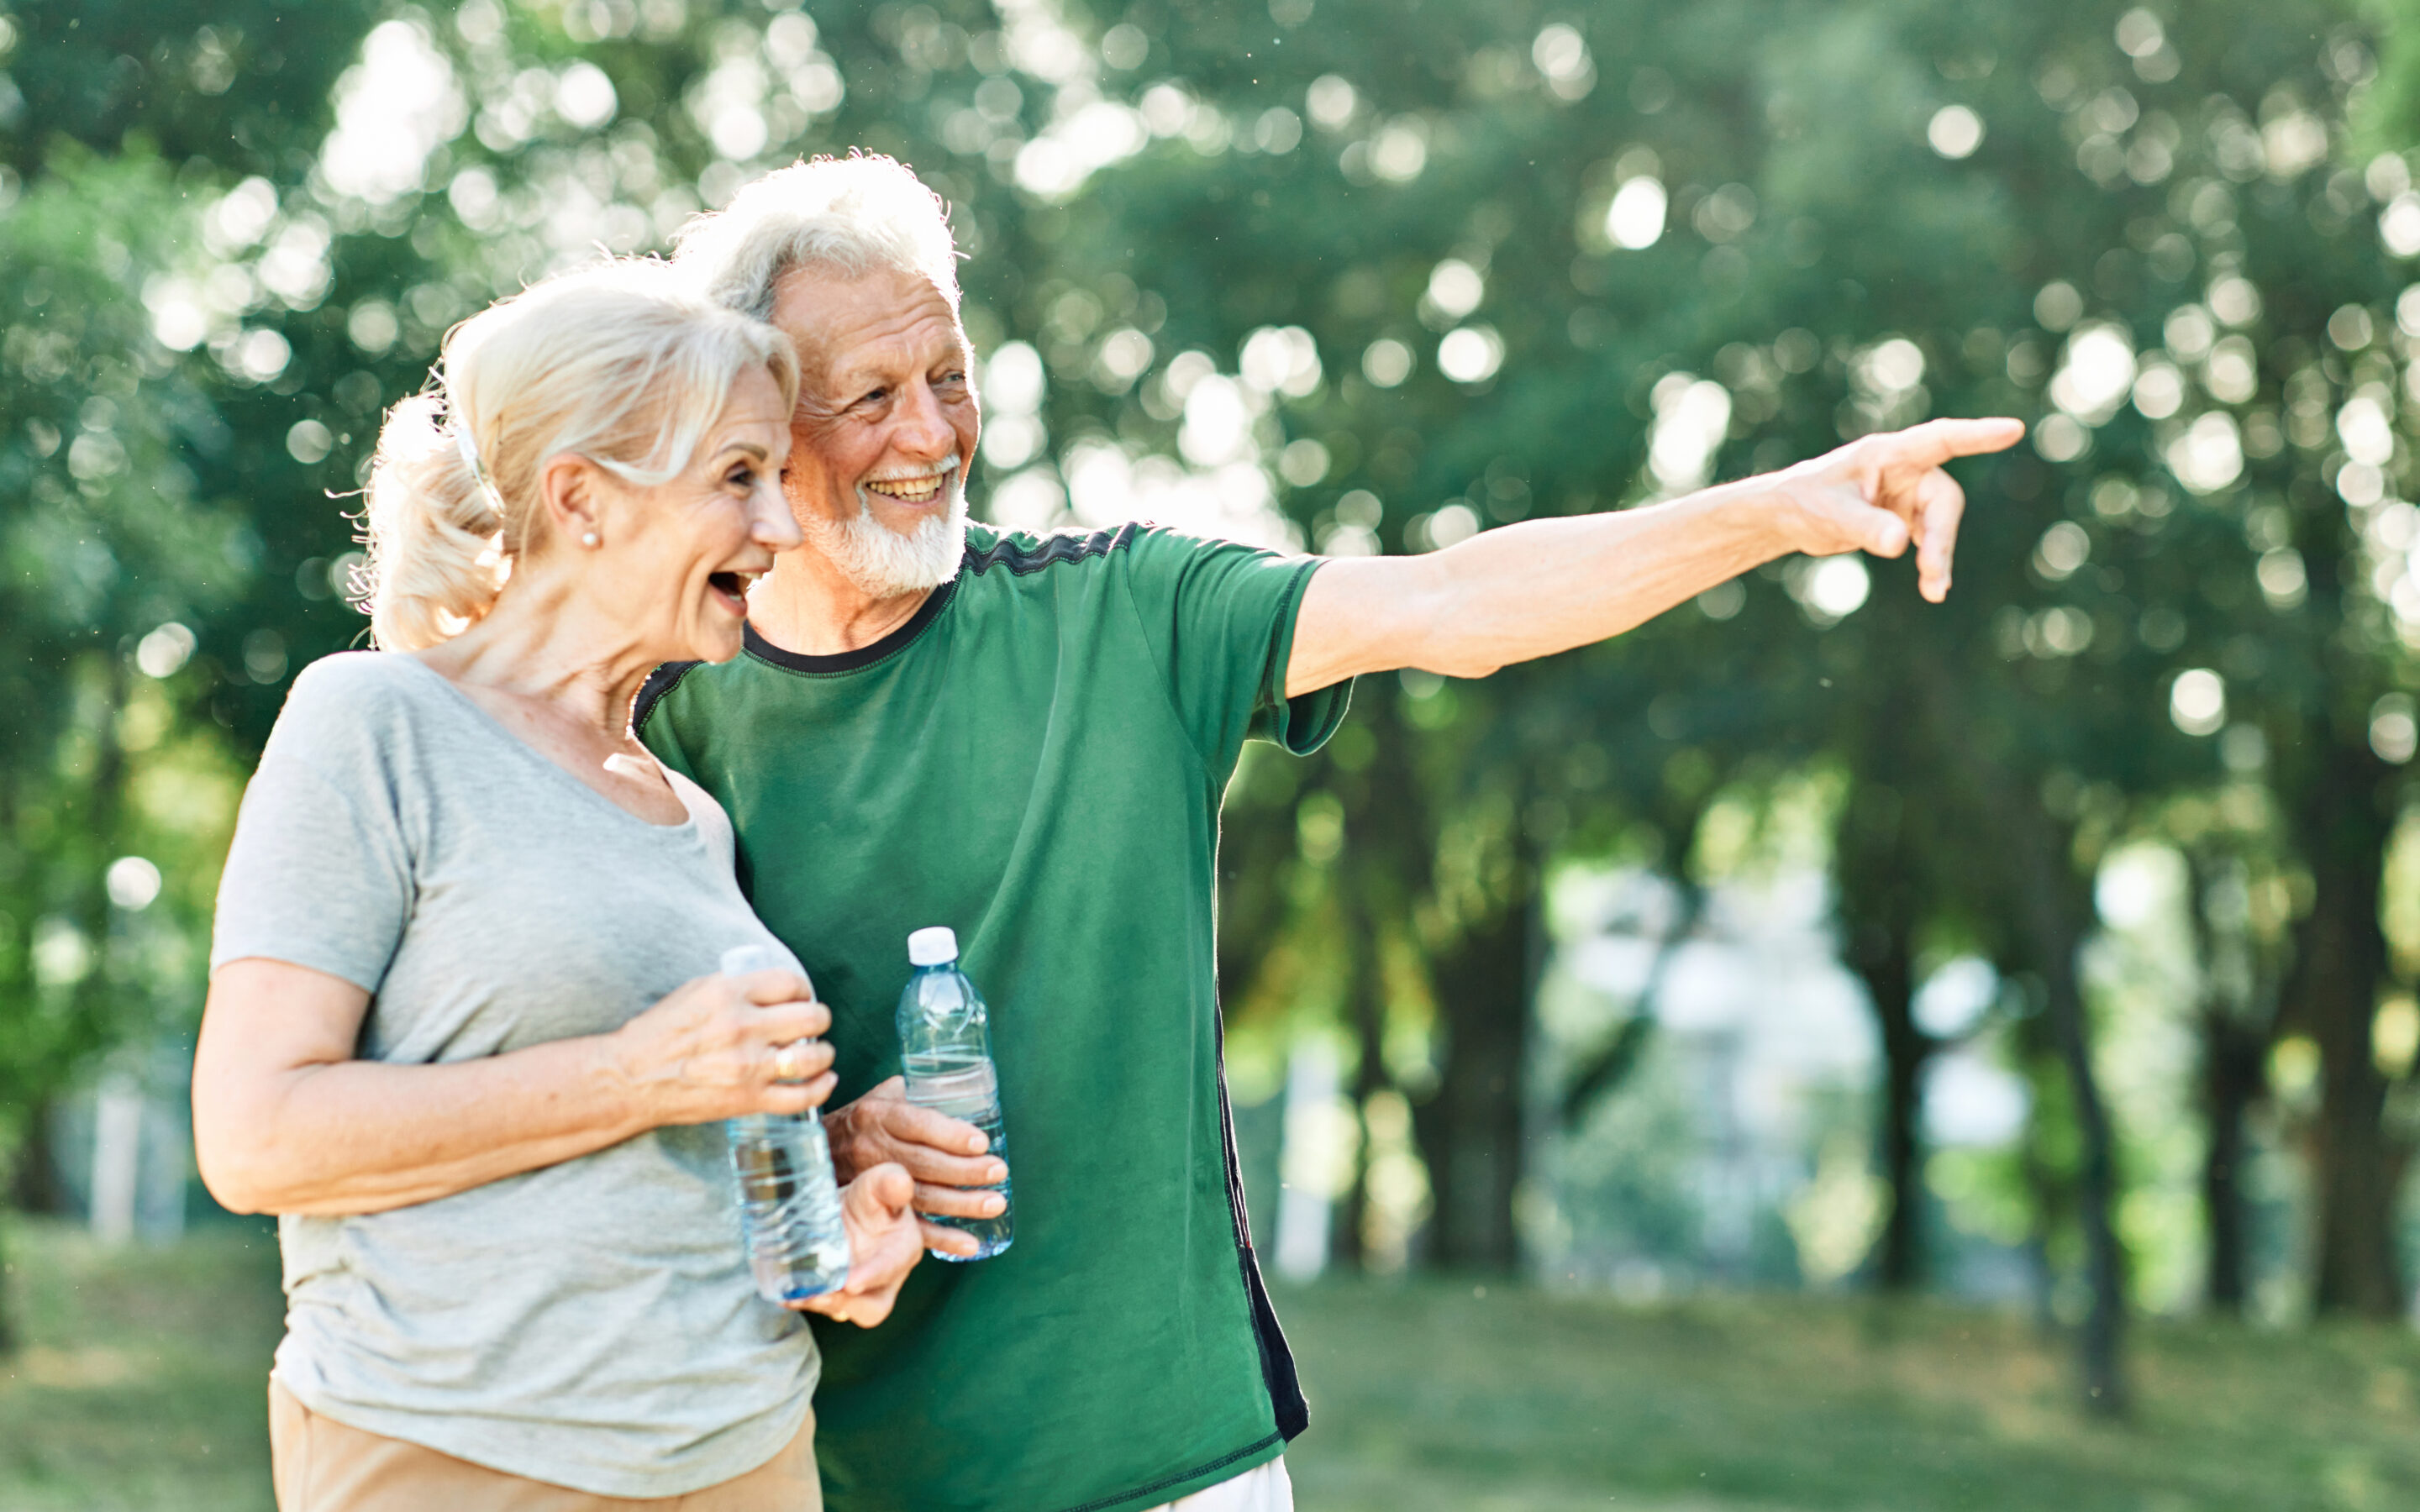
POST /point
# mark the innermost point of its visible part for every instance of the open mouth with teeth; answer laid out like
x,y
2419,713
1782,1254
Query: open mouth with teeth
x,y
731,588
919,488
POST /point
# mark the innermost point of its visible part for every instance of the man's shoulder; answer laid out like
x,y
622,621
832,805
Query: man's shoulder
x,y
662,681
1006,577
1026,553
1136,550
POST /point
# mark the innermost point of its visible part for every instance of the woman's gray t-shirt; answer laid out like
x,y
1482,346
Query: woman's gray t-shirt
x,y
591,1323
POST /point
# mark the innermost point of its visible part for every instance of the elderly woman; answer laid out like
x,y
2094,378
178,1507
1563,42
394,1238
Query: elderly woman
x,y
465,1033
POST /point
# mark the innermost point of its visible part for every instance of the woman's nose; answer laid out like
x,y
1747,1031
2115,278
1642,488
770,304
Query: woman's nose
x,y
775,527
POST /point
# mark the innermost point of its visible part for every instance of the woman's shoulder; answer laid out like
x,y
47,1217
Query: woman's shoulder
x,y
358,681
354,696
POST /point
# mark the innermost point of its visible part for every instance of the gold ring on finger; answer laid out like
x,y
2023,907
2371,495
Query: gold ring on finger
x,y
785,1061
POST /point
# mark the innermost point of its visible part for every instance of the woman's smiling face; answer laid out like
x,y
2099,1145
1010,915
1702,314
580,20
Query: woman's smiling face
x,y
678,558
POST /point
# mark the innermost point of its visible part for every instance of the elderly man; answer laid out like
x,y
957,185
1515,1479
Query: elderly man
x,y
1026,738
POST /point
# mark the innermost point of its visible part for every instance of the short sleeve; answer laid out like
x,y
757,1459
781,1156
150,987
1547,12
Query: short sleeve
x,y
321,871
1224,613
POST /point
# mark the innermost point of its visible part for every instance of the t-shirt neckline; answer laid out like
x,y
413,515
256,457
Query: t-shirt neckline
x,y
865,656
687,824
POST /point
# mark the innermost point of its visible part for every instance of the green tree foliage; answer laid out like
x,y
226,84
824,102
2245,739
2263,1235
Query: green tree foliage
x,y
1369,276
2139,233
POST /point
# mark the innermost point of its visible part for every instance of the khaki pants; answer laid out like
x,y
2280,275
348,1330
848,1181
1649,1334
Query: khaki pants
x,y
321,1465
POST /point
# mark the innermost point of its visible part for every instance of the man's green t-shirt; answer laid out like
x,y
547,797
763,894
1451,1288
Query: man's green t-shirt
x,y
1034,760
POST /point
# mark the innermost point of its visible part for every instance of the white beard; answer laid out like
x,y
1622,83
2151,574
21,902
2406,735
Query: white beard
x,y
882,564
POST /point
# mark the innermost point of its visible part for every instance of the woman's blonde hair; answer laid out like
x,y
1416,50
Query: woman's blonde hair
x,y
625,364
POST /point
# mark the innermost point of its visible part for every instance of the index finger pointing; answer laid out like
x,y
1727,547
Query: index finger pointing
x,y
1940,439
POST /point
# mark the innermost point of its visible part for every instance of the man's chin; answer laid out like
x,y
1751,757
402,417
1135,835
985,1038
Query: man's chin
x,y
903,549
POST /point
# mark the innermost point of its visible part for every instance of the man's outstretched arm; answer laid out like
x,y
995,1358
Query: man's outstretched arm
x,y
1549,585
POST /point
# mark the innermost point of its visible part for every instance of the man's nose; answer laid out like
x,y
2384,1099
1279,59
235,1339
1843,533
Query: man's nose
x,y
922,429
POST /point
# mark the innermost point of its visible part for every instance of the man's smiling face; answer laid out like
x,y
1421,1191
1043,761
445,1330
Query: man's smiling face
x,y
886,424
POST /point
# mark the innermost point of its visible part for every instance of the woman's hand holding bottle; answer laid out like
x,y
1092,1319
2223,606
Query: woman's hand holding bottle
x,y
724,1047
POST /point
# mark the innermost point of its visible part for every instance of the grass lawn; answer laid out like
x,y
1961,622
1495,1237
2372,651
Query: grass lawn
x,y
1432,1397
142,1383
143,1377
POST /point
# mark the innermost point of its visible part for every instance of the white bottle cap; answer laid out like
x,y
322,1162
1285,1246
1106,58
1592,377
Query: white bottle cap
x,y
932,947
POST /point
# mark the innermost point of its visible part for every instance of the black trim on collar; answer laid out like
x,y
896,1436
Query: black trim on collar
x,y
1023,560
849,661
651,692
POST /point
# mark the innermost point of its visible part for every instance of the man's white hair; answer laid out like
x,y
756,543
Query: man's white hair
x,y
853,214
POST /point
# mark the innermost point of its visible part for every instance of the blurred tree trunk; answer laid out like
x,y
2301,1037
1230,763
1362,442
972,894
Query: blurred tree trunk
x,y
1366,1008
9,1339
2046,902
34,1186
2340,957
2233,1076
2058,937
1470,1131
2238,1020
1877,874
2050,1199
1888,971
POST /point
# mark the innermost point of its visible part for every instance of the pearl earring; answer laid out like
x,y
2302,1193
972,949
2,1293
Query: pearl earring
x,y
589,540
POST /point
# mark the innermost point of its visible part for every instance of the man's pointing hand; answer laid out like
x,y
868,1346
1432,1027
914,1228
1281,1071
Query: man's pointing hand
x,y
1881,492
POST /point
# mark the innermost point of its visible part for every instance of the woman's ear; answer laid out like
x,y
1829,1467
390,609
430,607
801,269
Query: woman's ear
x,y
571,489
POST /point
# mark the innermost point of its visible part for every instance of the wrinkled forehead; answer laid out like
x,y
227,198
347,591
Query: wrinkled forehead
x,y
874,327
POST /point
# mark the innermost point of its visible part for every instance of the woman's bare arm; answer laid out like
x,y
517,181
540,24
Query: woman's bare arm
x,y
286,1121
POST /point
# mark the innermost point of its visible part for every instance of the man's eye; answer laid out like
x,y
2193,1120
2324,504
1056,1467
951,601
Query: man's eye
x,y
873,397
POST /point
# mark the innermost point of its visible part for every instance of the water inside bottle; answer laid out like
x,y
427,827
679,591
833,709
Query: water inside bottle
x,y
790,1221
965,1085
789,1207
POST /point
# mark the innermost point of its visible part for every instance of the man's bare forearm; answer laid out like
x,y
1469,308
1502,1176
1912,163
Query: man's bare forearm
x,y
1532,590
1526,591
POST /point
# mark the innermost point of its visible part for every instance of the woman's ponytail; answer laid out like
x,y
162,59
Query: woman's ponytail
x,y
434,534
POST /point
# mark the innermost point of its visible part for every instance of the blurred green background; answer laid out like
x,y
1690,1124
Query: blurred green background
x,y
1819,1051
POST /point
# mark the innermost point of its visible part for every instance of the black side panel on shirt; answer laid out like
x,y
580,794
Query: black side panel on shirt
x,y
1277,1360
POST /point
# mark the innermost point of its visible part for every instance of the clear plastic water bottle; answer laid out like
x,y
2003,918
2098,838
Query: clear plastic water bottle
x,y
789,1203
945,1049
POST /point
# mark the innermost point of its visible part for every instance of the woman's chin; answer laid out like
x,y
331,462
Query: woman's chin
x,y
717,641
